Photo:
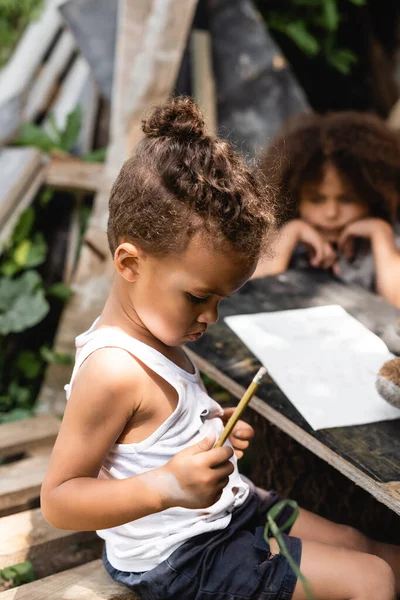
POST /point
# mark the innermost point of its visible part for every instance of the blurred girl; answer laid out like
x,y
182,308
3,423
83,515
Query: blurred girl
x,y
339,179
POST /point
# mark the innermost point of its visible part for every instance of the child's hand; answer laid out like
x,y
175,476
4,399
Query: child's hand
x,y
369,228
196,476
322,253
241,434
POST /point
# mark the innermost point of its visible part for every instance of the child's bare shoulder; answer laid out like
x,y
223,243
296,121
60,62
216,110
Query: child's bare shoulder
x,y
109,374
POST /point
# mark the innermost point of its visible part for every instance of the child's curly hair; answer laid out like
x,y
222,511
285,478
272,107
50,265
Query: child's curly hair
x,y
181,180
361,147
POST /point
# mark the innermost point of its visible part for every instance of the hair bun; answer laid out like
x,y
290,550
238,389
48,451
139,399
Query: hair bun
x,y
179,118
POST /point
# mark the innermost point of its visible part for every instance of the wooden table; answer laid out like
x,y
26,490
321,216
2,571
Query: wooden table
x,y
368,455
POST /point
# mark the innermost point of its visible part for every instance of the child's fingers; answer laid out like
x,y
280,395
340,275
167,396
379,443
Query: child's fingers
x,y
240,444
243,431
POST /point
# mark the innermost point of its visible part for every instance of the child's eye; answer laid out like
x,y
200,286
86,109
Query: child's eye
x,y
196,299
317,199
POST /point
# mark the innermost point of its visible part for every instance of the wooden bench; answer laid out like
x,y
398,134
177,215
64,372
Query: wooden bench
x,y
25,447
357,468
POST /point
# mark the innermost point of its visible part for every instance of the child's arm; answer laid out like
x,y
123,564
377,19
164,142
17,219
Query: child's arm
x,y
291,234
386,255
102,401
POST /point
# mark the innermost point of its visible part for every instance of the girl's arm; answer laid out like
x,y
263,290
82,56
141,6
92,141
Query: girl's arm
x,y
106,393
386,255
291,234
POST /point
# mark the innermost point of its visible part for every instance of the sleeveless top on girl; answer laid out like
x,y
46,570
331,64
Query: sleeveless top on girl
x,y
143,544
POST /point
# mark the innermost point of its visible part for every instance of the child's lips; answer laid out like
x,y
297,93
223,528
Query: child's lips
x,y
195,336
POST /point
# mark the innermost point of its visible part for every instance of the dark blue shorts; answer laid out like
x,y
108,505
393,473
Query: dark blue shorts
x,y
231,564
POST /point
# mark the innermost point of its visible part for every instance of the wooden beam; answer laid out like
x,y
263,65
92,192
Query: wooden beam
x,y
203,77
18,167
27,535
24,435
86,582
74,174
18,74
387,493
20,481
45,85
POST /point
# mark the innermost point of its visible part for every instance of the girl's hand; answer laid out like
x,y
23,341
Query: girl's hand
x,y
369,228
241,434
322,254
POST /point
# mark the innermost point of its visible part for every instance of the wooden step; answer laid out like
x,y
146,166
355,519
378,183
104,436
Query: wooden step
x,y
27,535
25,435
20,481
86,582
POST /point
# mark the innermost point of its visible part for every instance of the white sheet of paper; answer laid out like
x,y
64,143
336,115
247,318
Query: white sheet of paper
x,y
323,359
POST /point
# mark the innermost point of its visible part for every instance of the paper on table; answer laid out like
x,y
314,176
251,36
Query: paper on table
x,y
323,359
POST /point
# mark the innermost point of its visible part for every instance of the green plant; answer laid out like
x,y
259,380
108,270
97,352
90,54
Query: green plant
x,y
272,529
19,574
56,139
24,302
313,26
14,17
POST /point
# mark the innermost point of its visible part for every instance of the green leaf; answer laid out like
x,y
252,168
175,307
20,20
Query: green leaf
x,y
298,33
73,126
97,156
330,15
29,364
60,291
57,133
21,396
9,268
31,252
24,225
5,403
58,358
359,2
33,135
22,303
17,414
342,60
19,574
46,196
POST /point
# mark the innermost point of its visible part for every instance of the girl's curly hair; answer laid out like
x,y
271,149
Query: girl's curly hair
x,y
181,180
361,147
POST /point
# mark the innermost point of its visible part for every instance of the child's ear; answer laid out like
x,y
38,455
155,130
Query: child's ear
x,y
126,260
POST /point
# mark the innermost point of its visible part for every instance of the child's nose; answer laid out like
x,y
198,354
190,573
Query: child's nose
x,y
209,316
332,209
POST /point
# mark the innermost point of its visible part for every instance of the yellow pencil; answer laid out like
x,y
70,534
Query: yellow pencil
x,y
247,396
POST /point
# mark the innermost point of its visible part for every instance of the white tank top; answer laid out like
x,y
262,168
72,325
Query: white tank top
x,y
143,544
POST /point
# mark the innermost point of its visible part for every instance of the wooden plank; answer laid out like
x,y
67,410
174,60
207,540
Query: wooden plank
x,y
203,76
151,40
93,24
388,494
20,481
45,85
18,167
27,535
74,174
8,227
17,75
86,582
69,93
23,435
367,454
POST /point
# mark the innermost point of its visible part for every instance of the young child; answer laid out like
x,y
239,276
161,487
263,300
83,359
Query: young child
x,y
340,176
134,458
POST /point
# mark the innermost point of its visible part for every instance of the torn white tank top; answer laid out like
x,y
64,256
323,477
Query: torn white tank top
x,y
143,544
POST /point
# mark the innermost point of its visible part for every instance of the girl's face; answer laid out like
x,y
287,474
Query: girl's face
x,y
330,204
174,298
